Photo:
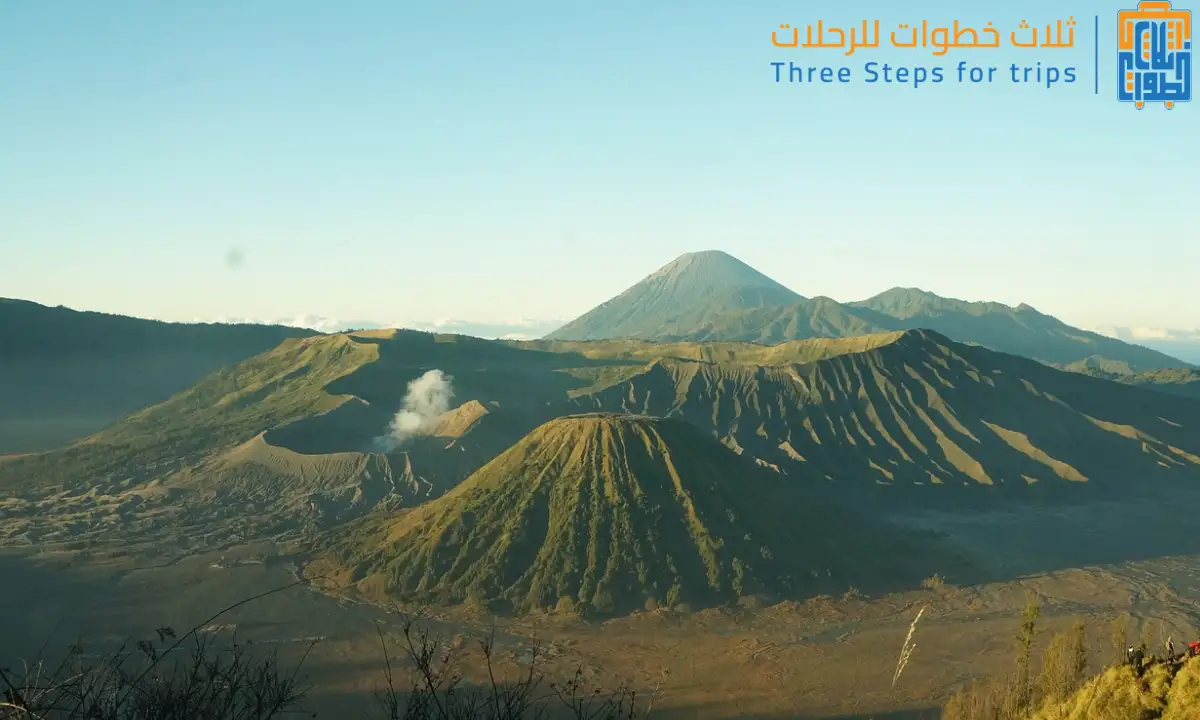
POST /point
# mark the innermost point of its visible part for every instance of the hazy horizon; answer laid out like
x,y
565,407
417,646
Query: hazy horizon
x,y
1180,344
382,162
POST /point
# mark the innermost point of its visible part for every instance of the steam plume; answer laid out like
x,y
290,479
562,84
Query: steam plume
x,y
428,397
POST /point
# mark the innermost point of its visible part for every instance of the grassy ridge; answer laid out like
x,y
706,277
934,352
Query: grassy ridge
x,y
921,410
1117,694
228,407
65,373
893,410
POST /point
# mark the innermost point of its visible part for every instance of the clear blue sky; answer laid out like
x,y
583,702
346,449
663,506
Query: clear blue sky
x,y
490,161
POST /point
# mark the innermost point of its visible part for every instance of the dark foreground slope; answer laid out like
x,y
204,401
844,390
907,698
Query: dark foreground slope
x,y
612,513
65,374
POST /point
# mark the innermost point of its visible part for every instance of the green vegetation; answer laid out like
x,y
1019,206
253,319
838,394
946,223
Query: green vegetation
x,y
68,373
1015,695
1163,692
856,416
1163,689
641,352
226,408
613,513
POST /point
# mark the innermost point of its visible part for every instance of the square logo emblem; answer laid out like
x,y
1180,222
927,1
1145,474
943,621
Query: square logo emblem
x,y
1154,54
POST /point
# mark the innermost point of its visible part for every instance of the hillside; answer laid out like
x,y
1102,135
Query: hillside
x,y
1019,331
677,297
65,374
260,441
907,418
224,409
920,411
1181,381
1162,692
613,513
709,315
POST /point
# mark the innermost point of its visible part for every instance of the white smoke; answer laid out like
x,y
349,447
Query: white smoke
x,y
427,398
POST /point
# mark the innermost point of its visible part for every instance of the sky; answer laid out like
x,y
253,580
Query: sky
x,y
518,163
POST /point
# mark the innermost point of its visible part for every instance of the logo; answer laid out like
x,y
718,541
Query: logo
x,y
1154,54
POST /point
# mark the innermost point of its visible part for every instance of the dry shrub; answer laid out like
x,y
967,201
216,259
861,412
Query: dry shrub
x,y
1064,664
907,650
1117,694
1014,695
934,582
436,690
209,683
151,682
1118,637
989,699
1183,700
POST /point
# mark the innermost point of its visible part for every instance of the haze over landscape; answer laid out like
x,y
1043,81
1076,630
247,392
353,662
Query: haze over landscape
x,y
347,336
706,440
153,151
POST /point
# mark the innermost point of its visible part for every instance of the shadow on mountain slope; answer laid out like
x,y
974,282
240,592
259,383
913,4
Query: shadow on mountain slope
x,y
892,424
612,513
928,421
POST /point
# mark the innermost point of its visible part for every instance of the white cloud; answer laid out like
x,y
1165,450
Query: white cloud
x,y
518,329
1134,334
1181,344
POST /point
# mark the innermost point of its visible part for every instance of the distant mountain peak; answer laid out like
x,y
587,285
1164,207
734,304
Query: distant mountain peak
x,y
681,293
712,296
906,295
908,302
899,291
713,254
715,269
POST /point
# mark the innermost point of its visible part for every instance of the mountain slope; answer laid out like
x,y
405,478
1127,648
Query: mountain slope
x,y
65,374
907,419
1181,381
225,408
712,297
318,395
615,512
1019,331
676,297
820,317
1164,691
921,411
